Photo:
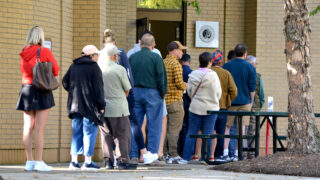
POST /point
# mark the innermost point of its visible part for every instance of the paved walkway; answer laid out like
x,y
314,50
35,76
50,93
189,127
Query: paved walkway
x,y
176,172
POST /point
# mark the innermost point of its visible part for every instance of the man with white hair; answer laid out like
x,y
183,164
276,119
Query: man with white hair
x,y
116,125
257,105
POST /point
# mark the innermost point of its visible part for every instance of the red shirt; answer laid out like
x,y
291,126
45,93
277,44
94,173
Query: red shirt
x,y
28,60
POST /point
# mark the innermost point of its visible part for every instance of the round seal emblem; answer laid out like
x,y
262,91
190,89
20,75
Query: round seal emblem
x,y
206,33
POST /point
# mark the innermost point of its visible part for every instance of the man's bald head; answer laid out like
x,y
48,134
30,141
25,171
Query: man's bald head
x,y
147,40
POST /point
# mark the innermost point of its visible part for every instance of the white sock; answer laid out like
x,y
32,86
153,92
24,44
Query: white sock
x,y
225,152
87,159
236,152
74,158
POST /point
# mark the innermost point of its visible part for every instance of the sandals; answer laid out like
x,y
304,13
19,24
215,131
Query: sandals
x,y
195,158
211,158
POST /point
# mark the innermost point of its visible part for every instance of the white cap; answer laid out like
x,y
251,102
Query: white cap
x,y
89,50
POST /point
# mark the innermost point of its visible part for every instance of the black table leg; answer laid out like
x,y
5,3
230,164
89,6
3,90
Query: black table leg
x,y
257,136
240,140
275,136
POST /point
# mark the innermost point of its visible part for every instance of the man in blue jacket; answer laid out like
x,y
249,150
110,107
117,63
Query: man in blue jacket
x,y
244,75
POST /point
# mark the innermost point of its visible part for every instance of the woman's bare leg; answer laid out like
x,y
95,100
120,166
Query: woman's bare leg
x,y
163,135
41,117
213,145
143,129
197,152
28,125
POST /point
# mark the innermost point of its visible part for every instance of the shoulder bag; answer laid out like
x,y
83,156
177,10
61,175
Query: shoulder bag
x,y
43,78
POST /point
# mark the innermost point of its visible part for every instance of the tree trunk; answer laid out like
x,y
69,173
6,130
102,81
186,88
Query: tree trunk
x,y
303,135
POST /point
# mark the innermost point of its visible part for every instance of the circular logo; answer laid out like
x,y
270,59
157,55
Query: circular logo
x,y
206,33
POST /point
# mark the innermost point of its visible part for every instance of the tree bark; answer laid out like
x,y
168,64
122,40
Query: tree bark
x,y
303,135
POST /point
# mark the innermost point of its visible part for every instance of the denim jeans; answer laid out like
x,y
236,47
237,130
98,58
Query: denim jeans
x,y
149,102
197,122
233,142
83,136
220,128
137,141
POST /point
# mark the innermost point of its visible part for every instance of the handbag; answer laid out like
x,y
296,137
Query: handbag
x,y
43,78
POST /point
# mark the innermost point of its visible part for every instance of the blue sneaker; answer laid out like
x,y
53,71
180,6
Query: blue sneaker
x,y
74,166
91,166
223,159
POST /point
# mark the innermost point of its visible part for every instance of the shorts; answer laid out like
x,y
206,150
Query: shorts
x,y
245,119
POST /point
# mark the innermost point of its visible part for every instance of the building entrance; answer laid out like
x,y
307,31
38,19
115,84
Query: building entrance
x,y
166,25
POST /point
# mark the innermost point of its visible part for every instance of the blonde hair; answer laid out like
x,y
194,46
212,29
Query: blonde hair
x,y
108,36
35,36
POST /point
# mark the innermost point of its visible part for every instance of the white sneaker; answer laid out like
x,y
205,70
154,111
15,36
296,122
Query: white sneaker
x,y
41,166
29,165
181,161
148,158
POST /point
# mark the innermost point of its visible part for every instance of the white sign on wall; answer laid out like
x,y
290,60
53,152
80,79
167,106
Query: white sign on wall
x,y
207,34
47,44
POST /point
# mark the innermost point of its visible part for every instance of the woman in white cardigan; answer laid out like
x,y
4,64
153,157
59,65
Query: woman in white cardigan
x,y
205,91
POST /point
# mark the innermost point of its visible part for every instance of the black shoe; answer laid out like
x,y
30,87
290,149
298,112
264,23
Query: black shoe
x,y
126,166
109,165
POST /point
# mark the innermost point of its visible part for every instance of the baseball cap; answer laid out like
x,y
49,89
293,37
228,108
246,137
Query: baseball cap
x,y
90,50
175,45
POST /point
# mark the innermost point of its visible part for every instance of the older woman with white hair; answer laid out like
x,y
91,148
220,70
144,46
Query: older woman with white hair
x,y
116,125
35,103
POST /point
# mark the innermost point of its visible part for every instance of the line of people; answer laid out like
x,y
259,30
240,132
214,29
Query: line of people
x,y
144,106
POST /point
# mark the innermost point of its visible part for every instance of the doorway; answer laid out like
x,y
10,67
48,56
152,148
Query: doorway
x,y
166,25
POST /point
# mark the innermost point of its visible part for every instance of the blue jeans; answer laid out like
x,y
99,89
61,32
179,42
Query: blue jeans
x,y
197,122
149,102
83,136
233,142
220,128
137,141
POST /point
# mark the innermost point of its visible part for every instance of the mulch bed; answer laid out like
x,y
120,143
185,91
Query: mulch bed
x,y
281,163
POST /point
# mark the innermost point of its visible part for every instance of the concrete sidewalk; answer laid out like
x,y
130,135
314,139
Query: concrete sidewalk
x,y
178,172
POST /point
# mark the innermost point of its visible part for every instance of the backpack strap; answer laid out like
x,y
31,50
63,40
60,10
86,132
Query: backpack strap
x,y
38,55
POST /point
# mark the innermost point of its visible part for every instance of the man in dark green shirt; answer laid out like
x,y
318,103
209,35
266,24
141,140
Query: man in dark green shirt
x,y
150,86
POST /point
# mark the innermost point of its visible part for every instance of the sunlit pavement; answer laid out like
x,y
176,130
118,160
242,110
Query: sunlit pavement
x,y
177,172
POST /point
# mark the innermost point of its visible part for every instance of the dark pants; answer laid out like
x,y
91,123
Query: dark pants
x,y
116,129
136,133
149,102
197,122
233,142
185,124
220,128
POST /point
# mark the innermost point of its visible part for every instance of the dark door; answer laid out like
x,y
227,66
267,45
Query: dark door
x,y
142,25
165,32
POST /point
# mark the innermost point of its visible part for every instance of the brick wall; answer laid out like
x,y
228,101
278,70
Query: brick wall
x,y
211,10
16,20
251,26
235,24
121,18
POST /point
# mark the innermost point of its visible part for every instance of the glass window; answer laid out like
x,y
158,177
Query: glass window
x,y
159,4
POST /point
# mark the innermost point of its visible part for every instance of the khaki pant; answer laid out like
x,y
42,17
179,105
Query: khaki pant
x,y
116,129
174,125
245,119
